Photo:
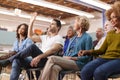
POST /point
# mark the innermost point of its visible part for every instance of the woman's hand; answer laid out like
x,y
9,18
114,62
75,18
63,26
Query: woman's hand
x,y
83,52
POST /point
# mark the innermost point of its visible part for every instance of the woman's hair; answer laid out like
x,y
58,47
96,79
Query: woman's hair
x,y
71,27
115,8
25,33
83,22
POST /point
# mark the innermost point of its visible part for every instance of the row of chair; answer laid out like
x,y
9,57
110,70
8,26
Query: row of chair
x,y
61,75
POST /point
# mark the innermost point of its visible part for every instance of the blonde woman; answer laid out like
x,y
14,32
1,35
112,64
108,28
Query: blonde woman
x,y
70,59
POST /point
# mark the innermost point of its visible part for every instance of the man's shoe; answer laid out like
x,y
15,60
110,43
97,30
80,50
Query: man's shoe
x,y
4,63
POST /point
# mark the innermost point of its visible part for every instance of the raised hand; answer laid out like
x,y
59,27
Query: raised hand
x,y
33,17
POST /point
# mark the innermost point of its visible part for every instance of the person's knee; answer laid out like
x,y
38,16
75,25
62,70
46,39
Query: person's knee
x,y
83,71
56,68
99,72
32,46
52,58
15,63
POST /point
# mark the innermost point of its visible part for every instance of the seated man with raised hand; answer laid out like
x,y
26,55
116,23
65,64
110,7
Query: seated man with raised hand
x,y
51,44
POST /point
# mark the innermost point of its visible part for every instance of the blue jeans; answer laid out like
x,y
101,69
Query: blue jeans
x,y
17,65
100,69
32,51
18,60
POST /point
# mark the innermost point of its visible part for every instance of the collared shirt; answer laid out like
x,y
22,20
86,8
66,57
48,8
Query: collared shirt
x,y
25,43
78,43
66,44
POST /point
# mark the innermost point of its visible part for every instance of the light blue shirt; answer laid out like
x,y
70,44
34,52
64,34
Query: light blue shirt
x,y
25,43
80,43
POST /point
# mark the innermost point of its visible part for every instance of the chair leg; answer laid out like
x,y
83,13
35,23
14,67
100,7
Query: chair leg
x,y
61,76
32,73
1,74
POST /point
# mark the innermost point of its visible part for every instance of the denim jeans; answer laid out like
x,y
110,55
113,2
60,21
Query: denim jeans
x,y
17,65
100,69
32,51
20,59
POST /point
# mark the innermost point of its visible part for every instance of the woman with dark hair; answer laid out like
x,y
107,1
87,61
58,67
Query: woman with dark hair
x,y
20,34
20,44
25,31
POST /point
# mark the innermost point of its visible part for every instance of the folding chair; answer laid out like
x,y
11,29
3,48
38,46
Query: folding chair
x,y
32,71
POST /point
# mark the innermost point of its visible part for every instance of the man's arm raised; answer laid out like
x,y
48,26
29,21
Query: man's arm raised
x,y
30,29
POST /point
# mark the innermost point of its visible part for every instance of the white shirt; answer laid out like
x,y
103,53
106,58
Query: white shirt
x,y
47,42
99,44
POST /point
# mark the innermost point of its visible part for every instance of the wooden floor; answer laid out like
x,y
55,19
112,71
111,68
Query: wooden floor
x,y
6,75
67,77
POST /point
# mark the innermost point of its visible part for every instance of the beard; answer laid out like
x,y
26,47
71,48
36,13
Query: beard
x,y
52,30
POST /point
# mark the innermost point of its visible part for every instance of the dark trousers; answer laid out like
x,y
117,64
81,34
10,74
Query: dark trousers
x,y
32,51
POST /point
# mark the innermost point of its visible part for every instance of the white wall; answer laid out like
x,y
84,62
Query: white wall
x,y
94,24
11,22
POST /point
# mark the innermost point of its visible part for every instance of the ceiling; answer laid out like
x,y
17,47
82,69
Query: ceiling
x,y
12,4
